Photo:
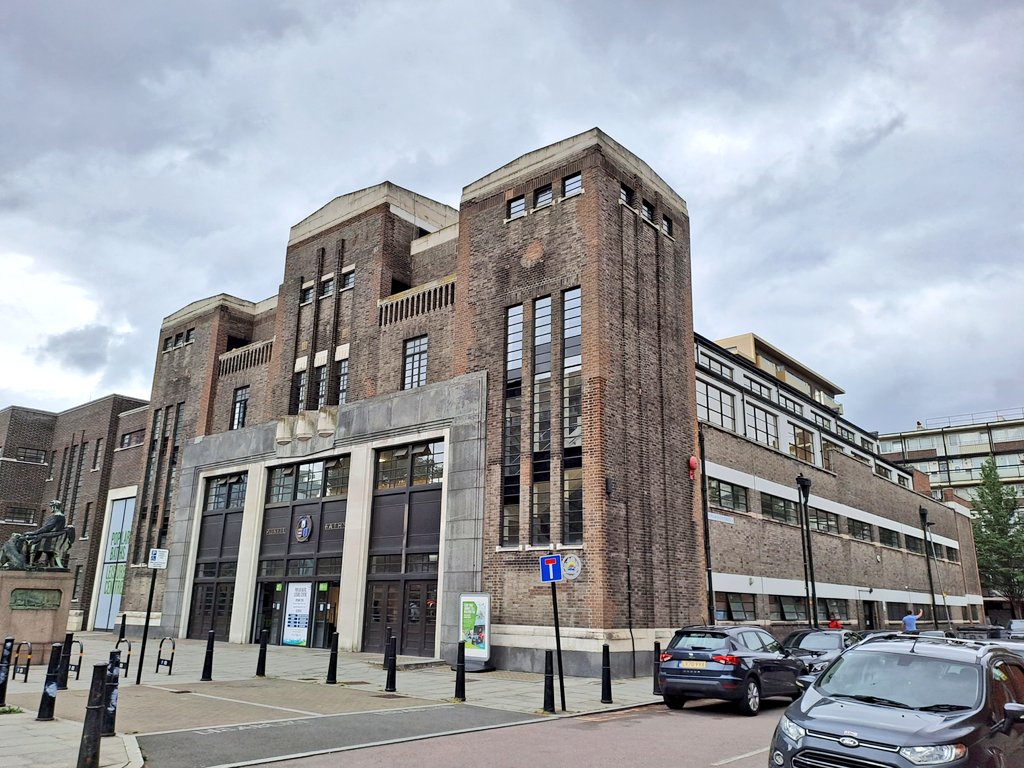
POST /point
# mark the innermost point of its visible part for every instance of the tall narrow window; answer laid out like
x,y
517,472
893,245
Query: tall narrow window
x,y
298,392
415,369
320,384
97,455
540,516
342,376
76,588
572,418
512,440
239,407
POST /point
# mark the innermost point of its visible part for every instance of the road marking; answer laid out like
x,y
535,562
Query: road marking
x,y
740,757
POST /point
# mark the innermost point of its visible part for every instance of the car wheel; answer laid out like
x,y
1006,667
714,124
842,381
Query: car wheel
x,y
750,703
674,702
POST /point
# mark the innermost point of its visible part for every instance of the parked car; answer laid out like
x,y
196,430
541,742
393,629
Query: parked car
x,y
819,647
1015,629
909,701
741,664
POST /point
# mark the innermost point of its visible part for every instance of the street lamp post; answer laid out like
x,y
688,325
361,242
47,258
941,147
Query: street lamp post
x,y
938,576
928,563
803,485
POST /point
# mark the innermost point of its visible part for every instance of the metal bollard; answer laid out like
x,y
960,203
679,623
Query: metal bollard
x,y
5,668
606,675
332,665
120,634
89,749
49,698
389,686
387,644
110,686
460,672
549,682
208,662
261,660
657,668
65,662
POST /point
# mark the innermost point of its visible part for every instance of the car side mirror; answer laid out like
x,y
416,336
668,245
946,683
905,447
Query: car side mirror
x,y
803,682
1013,714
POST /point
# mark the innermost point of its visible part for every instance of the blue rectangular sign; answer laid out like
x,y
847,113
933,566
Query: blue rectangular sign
x,y
550,568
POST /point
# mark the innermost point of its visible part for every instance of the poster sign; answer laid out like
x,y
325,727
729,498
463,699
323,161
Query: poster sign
x,y
296,613
158,559
475,610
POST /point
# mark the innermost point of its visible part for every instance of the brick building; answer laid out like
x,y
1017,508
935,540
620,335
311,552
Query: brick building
x,y
765,419
435,399
68,456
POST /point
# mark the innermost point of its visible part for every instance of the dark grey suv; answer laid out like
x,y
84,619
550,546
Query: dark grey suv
x,y
905,702
740,664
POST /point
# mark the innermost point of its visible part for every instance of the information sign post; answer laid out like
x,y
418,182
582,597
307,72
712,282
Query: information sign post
x,y
551,571
157,562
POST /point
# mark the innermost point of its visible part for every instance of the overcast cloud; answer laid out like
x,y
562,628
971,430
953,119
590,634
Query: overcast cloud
x,y
853,170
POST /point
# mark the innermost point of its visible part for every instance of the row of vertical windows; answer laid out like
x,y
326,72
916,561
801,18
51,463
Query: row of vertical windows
x,y
572,417
226,492
179,339
311,480
542,196
420,464
306,293
320,395
540,511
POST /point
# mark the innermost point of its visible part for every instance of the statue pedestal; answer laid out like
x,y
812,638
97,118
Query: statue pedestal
x,y
34,606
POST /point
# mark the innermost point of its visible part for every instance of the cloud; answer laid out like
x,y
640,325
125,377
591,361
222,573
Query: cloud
x,y
853,170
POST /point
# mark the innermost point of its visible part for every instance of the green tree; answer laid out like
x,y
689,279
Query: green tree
x,y
999,537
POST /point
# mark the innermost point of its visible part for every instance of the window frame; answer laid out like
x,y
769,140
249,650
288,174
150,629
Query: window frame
x,y
572,184
414,362
515,208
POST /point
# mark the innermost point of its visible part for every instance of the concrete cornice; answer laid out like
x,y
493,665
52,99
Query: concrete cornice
x,y
536,162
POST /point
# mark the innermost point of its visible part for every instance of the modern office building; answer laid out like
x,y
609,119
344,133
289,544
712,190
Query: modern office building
x,y
766,419
436,400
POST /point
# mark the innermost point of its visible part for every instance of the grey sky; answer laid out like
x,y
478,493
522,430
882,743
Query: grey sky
x,y
853,170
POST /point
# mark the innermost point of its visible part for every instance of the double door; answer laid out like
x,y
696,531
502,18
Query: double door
x,y
408,608
297,613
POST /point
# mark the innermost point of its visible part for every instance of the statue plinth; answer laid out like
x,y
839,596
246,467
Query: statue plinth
x,y
34,606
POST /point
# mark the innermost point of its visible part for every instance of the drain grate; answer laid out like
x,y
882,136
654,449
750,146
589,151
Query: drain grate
x,y
352,682
169,691
386,696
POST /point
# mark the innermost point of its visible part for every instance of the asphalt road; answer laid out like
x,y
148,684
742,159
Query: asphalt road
x,y
704,734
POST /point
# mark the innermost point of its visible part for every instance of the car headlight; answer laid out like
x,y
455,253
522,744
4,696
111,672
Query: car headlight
x,y
817,666
791,729
944,753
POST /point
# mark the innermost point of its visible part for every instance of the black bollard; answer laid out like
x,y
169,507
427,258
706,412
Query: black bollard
x,y
549,682
606,675
49,699
108,726
332,664
89,749
65,662
5,669
387,644
657,668
208,662
261,661
389,686
120,634
460,672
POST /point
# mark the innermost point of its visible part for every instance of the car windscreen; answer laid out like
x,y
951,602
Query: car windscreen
x,y
699,641
1016,624
904,680
816,642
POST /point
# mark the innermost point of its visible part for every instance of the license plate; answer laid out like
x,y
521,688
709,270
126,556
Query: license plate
x,y
692,664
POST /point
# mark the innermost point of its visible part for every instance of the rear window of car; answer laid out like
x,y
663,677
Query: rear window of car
x,y
699,641
816,642
1017,624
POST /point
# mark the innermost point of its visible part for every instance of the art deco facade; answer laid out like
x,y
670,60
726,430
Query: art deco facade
x,y
435,399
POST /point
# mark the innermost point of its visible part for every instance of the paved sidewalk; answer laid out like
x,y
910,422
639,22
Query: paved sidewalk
x,y
294,686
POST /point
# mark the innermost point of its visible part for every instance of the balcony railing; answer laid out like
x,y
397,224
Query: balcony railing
x,y
249,356
429,297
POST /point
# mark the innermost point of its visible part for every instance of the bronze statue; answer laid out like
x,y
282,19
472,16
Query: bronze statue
x,y
45,547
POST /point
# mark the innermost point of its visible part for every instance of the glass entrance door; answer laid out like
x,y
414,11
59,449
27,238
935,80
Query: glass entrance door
x,y
269,607
381,611
420,619
869,614
325,613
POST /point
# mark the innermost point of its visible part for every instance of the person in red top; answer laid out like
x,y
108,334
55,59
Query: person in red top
x,y
834,623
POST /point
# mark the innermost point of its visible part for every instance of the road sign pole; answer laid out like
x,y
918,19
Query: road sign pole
x,y
145,628
558,644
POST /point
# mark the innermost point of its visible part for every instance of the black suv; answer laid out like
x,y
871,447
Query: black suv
x,y
908,701
739,664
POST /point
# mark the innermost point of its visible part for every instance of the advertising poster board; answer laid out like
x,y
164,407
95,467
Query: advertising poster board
x,y
475,615
296,613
